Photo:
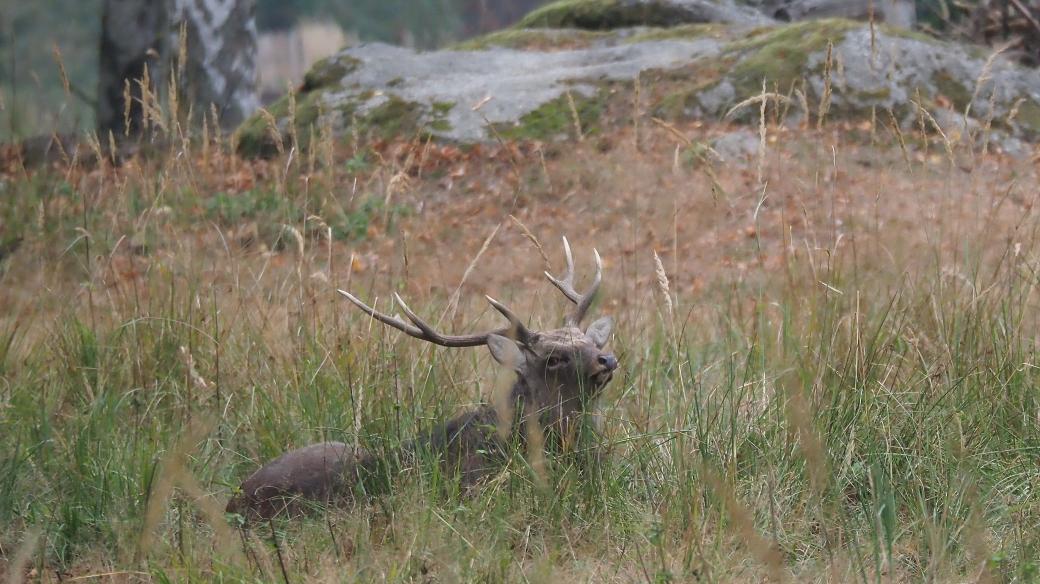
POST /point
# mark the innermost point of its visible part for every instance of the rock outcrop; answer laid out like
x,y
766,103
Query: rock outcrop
x,y
540,81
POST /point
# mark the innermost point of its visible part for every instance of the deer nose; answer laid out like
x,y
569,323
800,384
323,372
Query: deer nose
x,y
609,361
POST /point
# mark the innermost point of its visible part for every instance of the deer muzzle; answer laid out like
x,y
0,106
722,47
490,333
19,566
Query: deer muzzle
x,y
608,361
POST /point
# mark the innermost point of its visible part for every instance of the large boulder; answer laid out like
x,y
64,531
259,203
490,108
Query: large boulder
x,y
551,83
614,14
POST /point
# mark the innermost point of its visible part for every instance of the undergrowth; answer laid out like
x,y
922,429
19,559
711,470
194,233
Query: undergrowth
x,y
855,402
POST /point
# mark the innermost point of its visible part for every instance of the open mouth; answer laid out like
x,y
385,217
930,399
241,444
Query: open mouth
x,y
603,377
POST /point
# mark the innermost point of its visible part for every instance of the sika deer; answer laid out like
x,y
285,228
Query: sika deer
x,y
558,373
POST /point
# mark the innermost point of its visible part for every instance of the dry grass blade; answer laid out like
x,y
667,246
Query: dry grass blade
x,y
189,364
534,240
23,555
675,132
766,552
453,302
663,285
926,115
755,100
66,86
760,168
825,99
579,133
173,471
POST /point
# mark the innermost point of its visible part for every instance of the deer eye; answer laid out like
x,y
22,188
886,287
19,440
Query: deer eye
x,y
556,361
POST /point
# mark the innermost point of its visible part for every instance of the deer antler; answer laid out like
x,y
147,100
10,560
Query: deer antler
x,y
421,330
566,285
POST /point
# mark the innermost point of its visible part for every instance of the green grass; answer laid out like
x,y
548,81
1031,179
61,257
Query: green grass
x,y
839,417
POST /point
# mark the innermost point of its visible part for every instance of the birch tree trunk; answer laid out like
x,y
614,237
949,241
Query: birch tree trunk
x,y
221,56
218,53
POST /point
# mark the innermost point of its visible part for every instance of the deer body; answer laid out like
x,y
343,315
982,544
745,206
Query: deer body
x,y
559,373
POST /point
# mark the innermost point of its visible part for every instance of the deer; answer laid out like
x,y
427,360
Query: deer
x,y
558,375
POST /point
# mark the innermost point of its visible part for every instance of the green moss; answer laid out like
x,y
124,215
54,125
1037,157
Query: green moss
x,y
780,55
256,138
439,111
899,32
1028,118
952,89
537,40
555,118
602,15
442,108
252,139
394,117
589,14
674,105
674,92
328,72
878,95
683,32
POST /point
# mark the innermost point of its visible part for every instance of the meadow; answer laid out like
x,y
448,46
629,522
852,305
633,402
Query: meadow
x,y
828,349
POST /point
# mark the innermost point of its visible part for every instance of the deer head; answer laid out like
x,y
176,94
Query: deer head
x,y
558,371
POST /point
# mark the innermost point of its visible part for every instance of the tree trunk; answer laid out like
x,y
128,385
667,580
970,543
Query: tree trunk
x,y
219,70
132,35
221,46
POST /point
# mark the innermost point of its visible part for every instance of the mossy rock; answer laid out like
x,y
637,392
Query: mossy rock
x,y
394,117
602,15
683,32
328,72
686,71
958,94
1028,118
258,137
675,93
780,56
556,118
537,40
618,14
561,39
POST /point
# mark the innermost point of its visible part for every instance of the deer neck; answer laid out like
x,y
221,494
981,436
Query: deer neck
x,y
551,405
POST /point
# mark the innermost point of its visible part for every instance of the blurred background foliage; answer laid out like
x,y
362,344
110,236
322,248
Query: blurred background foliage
x,y
428,22
33,99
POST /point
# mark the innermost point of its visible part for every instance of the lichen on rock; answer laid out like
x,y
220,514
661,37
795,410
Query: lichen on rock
x,y
521,83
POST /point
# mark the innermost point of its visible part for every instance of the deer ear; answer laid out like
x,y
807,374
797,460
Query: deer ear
x,y
505,351
599,331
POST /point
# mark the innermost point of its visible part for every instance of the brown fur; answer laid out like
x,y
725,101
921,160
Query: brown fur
x,y
560,375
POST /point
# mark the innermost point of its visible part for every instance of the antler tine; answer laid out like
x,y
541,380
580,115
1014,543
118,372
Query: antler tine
x,y
420,330
590,294
522,334
426,329
566,285
386,319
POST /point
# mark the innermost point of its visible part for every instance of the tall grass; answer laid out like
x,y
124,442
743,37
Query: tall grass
x,y
842,389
